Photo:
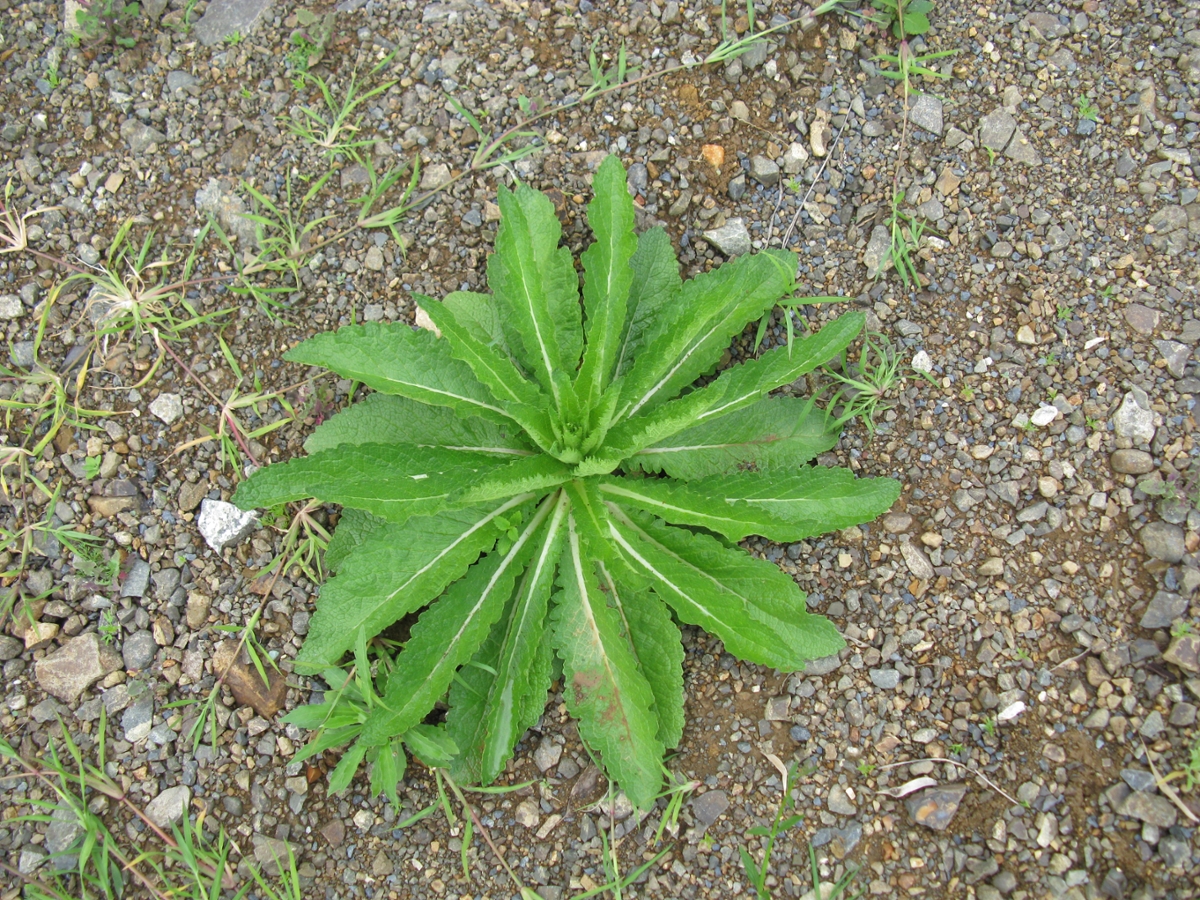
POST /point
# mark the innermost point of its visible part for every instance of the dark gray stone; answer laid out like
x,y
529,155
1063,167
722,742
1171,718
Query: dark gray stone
x,y
139,650
1149,808
709,806
1163,610
764,171
885,679
1184,652
996,129
926,113
1138,779
1163,541
137,580
141,137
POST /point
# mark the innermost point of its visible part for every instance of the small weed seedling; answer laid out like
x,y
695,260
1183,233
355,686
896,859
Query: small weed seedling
x,y
334,128
305,541
907,231
1087,109
1063,313
784,821
864,385
108,22
109,627
989,726
52,77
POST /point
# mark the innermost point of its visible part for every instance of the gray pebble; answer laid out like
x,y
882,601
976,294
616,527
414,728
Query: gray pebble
x,y
996,129
885,679
1164,541
926,113
709,806
1163,610
139,650
731,239
1135,419
1150,808
1131,462
764,171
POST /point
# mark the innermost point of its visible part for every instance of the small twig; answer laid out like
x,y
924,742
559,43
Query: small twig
x,y
1170,792
787,235
954,762
484,833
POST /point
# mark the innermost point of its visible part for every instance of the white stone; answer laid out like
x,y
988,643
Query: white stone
x,y
1044,416
222,523
11,307
168,407
1135,419
169,807
922,362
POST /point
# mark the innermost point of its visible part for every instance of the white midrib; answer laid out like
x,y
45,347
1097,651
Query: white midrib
x,y
498,511
671,372
670,507
484,596
585,604
519,626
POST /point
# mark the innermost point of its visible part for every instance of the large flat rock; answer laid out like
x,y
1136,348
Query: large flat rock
x,y
226,17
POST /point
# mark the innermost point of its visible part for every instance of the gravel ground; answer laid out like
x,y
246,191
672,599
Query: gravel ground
x,y
1045,551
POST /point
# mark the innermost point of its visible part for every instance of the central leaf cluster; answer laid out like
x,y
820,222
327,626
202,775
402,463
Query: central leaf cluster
x,y
545,483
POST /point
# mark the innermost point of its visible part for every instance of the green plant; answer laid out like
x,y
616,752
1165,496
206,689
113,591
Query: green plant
x,y
905,18
1064,313
1191,769
865,768
52,76
335,127
907,231
232,437
1087,109
305,541
485,481
109,627
108,21
1109,292
1049,359
233,39
91,467
989,725
967,393
783,822
1181,628
131,293
1093,423
311,40
957,749
863,386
